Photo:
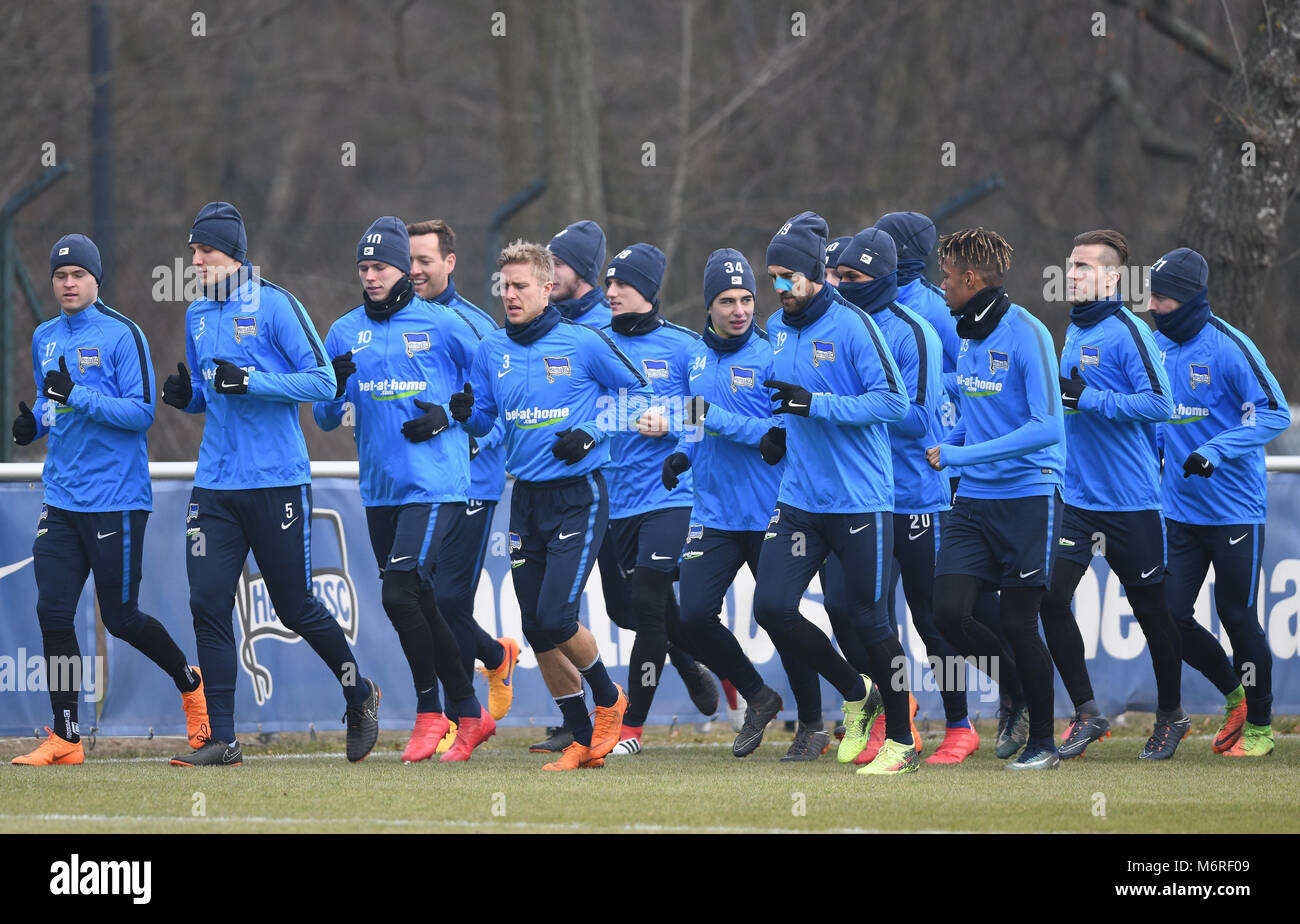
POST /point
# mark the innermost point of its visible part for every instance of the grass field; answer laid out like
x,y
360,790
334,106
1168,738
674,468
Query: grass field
x,y
685,783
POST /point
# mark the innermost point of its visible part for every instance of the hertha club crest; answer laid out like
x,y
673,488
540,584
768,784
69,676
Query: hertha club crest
x,y
331,584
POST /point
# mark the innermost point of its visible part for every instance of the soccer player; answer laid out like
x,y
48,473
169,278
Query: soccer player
x,y
834,378
915,237
465,540
1115,392
395,357
254,356
737,469
579,252
647,521
1227,406
96,415
1010,446
579,255
545,377
868,270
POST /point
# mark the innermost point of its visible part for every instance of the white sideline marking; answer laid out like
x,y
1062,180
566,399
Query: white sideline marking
x,y
452,823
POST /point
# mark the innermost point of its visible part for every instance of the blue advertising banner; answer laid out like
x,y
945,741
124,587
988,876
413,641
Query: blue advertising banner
x,y
282,686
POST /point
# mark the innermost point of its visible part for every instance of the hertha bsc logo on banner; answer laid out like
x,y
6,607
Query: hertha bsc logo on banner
x,y
331,584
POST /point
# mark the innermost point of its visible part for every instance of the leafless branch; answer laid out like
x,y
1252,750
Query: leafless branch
x,y
1180,31
1154,139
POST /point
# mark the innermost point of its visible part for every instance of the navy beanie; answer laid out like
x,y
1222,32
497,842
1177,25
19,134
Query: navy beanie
x,y
871,252
76,250
582,246
726,269
1181,274
642,267
833,248
914,234
800,245
386,240
220,225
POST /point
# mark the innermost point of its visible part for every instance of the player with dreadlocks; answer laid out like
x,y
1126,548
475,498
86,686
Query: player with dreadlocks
x,y
1010,445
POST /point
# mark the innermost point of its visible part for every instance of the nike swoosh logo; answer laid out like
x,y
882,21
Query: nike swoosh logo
x,y
356,350
16,566
393,561
1147,574
502,372
99,535
792,404
913,538
55,395
853,531
654,556
980,317
693,378
778,350
1025,574
586,446
470,511
1238,539
228,757
46,362
290,523
562,536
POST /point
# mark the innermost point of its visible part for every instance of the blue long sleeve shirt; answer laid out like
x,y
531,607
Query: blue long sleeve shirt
x,y
97,456
571,377
1227,406
422,352
487,470
1112,462
838,457
916,347
926,299
734,488
634,477
254,440
1010,441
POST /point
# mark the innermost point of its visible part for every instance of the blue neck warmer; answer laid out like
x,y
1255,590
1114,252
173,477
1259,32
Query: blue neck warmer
x,y
909,270
574,308
535,329
815,308
1186,322
1090,313
874,295
716,342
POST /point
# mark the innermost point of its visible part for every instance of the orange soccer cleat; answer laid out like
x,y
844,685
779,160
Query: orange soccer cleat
x,y
195,704
501,691
576,757
608,723
53,750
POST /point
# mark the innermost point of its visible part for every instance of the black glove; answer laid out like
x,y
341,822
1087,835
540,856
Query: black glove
x,y
230,379
1071,388
343,367
24,425
58,384
696,408
571,445
1197,464
473,448
177,390
790,398
772,446
461,404
428,425
674,465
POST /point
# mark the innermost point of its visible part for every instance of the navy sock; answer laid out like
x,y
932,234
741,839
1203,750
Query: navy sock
x,y
963,722
427,700
468,708
574,710
603,691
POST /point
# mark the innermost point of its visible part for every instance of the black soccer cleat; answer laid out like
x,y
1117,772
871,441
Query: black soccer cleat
x,y
1084,730
809,743
701,686
558,738
363,724
213,753
1164,740
759,711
